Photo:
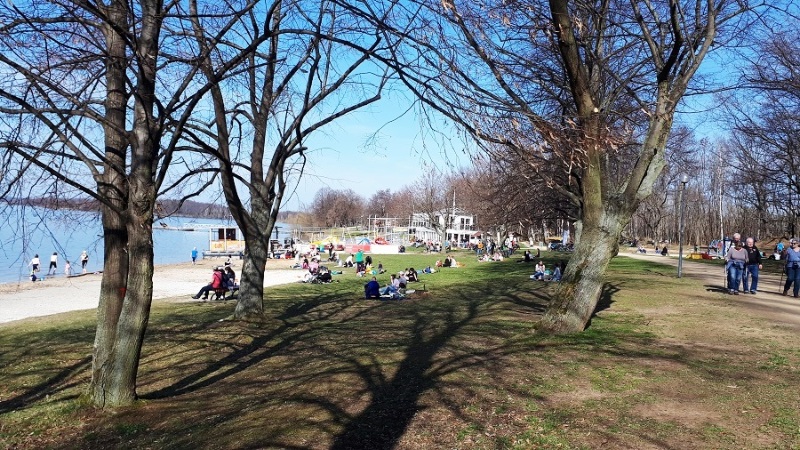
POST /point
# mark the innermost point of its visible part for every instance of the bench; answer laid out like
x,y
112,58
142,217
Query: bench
x,y
219,294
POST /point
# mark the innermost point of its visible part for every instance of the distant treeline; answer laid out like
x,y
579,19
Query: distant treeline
x,y
164,208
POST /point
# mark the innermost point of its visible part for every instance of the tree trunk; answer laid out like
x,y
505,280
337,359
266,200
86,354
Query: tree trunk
x,y
112,186
116,380
251,286
578,293
112,292
135,314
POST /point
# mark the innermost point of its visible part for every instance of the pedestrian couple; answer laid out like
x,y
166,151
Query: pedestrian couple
x,y
743,263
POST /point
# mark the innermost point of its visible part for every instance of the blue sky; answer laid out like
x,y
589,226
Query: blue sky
x,y
379,147
385,146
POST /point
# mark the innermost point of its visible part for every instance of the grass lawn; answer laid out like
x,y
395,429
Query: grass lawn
x,y
665,364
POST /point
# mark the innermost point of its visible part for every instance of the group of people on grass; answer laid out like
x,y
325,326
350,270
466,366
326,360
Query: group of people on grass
x,y
449,261
224,278
542,273
396,286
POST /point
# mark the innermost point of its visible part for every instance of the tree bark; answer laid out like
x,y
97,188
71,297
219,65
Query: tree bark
x,y
112,186
578,293
135,313
251,286
129,293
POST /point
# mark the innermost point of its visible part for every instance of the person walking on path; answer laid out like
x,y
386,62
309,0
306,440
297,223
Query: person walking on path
x,y
84,261
752,266
735,262
792,268
194,256
53,264
732,243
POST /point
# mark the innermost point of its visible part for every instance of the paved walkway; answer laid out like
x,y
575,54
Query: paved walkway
x,y
769,303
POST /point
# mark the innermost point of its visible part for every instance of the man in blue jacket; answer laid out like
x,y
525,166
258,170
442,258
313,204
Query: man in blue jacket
x,y
372,289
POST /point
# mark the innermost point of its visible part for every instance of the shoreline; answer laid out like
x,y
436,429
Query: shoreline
x,y
171,282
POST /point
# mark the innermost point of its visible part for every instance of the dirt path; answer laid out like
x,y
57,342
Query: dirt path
x,y
768,303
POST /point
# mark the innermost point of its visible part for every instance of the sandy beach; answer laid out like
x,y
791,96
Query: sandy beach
x,y
175,282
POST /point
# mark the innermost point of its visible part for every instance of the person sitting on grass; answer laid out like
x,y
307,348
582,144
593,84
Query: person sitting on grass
x,y
402,280
372,289
556,273
392,287
527,257
324,275
538,273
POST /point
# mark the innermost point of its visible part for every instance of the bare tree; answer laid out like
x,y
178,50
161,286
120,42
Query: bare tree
x,y
301,65
380,203
337,208
96,96
507,191
764,144
590,87
433,201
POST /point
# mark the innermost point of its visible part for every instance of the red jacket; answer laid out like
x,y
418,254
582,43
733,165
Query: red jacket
x,y
216,280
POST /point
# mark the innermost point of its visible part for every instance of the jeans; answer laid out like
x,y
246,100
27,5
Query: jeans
x,y
792,275
750,278
735,272
390,289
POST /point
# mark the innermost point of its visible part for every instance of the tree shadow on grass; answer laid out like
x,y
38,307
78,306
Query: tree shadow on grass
x,y
605,301
606,297
329,342
437,346
394,401
297,323
48,387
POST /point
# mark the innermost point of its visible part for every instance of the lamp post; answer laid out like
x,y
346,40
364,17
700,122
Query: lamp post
x,y
684,180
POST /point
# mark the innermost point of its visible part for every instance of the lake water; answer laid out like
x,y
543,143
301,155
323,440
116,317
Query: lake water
x,y
28,231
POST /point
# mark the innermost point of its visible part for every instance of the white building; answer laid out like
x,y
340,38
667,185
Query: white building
x,y
459,226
